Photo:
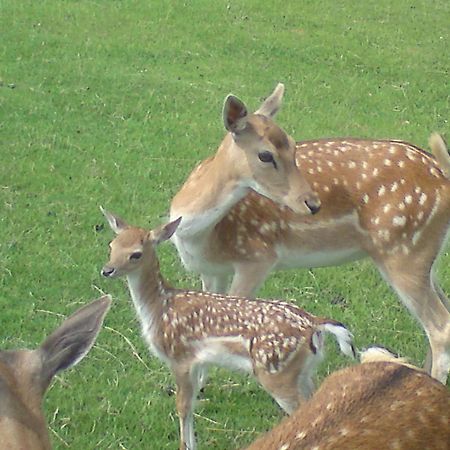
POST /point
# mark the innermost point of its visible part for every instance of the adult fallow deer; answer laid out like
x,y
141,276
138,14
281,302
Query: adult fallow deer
x,y
276,341
384,199
382,403
26,374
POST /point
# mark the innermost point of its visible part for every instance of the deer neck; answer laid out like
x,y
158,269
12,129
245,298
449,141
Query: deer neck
x,y
211,190
148,291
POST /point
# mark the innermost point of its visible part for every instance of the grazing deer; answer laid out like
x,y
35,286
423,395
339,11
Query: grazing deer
x,y
276,341
385,199
26,374
380,404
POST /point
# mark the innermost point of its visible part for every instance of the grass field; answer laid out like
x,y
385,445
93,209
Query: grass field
x,y
113,103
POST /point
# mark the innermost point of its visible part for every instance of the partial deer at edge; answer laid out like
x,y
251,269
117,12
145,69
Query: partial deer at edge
x,y
383,403
276,341
26,374
384,199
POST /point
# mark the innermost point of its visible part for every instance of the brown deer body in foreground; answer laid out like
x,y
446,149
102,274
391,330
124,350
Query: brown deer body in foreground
x,y
380,404
26,374
383,199
276,341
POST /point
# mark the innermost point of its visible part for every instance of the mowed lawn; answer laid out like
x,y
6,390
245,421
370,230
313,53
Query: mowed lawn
x,y
113,103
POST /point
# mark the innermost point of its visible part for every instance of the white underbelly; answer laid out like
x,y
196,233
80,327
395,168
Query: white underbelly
x,y
290,258
214,351
192,254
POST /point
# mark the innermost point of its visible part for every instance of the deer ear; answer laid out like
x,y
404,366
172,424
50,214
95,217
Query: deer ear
x,y
234,114
272,104
71,342
115,222
164,232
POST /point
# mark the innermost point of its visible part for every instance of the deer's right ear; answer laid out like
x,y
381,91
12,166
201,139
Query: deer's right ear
x,y
115,222
234,114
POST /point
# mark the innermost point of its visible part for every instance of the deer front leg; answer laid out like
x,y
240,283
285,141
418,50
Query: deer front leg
x,y
215,283
249,275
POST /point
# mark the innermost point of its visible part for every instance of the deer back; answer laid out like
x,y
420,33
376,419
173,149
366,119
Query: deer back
x,y
369,406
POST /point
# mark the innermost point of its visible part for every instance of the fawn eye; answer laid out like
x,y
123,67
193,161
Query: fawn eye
x,y
135,255
267,157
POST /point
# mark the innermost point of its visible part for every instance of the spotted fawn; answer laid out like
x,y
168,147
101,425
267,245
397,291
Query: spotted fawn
x,y
189,330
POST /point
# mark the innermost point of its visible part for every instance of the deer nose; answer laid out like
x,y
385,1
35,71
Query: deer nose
x,y
313,203
107,271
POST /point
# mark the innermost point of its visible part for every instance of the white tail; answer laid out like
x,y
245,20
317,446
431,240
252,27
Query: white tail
x,y
276,341
26,374
383,199
380,404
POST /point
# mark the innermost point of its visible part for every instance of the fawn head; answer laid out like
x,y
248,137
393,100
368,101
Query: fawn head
x,y
269,153
133,246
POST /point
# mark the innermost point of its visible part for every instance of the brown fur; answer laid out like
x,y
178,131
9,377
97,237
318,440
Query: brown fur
x,y
371,406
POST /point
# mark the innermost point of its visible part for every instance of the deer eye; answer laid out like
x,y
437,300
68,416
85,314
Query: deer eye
x,y
267,157
135,255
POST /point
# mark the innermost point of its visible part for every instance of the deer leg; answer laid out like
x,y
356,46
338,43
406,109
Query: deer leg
x,y
187,389
215,283
413,282
249,276
283,390
446,302
292,384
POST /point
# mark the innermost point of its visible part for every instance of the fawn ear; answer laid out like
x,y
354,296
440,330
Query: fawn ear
x,y
115,222
164,232
234,114
272,104
73,339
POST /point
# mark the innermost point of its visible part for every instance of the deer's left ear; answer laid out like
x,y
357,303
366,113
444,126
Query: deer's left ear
x,y
272,104
164,232
71,342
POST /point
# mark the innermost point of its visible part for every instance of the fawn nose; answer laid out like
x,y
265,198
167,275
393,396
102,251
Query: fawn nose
x,y
107,271
313,203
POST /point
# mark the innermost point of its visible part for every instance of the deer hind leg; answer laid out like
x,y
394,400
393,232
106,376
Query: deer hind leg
x,y
414,282
293,384
248,277
284,390
187,379
446,302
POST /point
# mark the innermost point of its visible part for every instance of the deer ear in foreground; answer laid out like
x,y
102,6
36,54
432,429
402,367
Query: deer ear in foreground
x,y
276,341
26,374
383,403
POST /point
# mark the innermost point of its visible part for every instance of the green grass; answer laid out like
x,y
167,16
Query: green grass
x,y
114,102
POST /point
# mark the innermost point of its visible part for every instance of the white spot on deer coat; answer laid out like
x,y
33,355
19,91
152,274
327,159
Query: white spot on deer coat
x,y
422,198
399,221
